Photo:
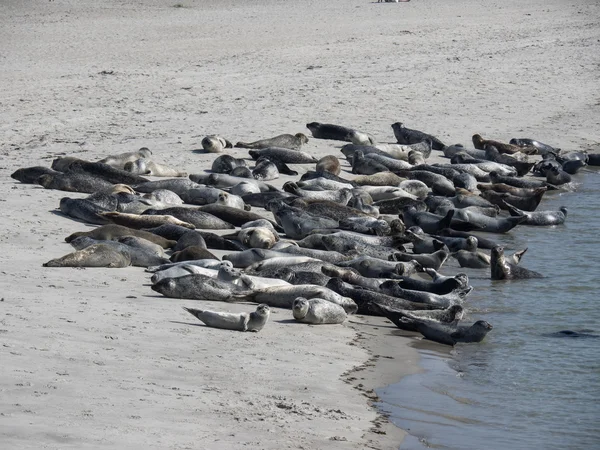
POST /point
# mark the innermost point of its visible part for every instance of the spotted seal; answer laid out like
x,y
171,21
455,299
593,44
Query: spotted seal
x,y
97,255
317,311
254,321
291,141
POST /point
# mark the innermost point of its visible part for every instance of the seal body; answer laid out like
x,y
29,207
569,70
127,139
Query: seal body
x,y
293,142
97,255
254,321
339,133
317,311
215,144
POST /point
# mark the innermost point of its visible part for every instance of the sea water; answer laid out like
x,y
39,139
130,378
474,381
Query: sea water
x,y
523,387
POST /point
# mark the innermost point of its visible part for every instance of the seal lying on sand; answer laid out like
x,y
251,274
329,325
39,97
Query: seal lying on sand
x,y
317,311
254,321
97,255
215,144
408,136
339,133
293,142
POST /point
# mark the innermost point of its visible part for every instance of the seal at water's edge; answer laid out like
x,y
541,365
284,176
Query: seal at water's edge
x,y
501,269
450,334
254,321
317,311
339,133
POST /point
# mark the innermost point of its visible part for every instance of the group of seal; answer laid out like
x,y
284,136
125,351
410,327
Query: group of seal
x,y
329,244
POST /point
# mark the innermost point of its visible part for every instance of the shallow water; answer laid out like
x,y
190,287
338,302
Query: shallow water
x,y
523,387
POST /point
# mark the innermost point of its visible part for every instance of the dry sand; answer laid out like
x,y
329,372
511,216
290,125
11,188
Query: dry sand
x,y
92,358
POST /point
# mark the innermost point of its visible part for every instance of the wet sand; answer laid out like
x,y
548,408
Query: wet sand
x,y
93,358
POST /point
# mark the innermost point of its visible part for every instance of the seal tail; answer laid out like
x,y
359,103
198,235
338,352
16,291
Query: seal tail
x,y
513,210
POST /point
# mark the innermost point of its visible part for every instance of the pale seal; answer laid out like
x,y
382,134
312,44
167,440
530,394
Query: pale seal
x,y
145,166
254,321
121,159
139,221
215,144
317,311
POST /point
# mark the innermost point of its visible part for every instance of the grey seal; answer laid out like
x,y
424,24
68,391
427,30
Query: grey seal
x,y
254,321
449,334
317,311
197,287
84,210
215,144
284,296
139,256
30,175
74,182
501,269
339,133
139,221
226,163
540,218
113,232
407,136
285,155
293,142
97,255
450,315
265,170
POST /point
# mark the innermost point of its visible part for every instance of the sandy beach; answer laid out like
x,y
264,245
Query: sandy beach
x,y
92,358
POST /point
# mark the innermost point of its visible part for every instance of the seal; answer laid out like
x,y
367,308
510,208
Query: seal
x,y
97,255
215,144
197,287
139,221
317,311
192,253
145,166
195,216
178,186
30,175
291,141
74,182
501,269
84,210
543,149
364,166
449,334
284,296
121,159
480,144
450,315
293,276
407,136
329,164
226,163
140,256
113,232
540,218
339,133
284,155
254,321
258,237
265,170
